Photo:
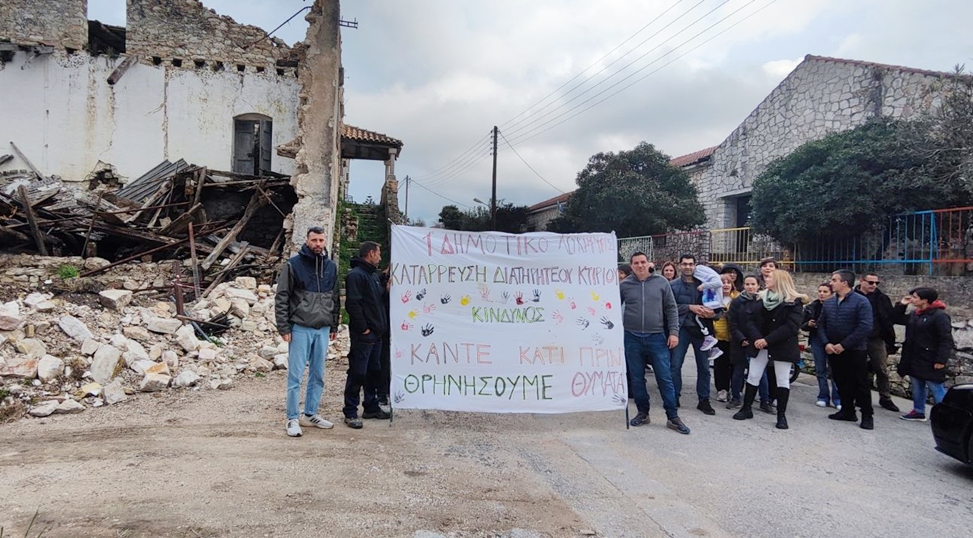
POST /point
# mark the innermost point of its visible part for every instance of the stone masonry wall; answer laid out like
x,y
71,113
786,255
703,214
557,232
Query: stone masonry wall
x,y
59,23
186,30
821,96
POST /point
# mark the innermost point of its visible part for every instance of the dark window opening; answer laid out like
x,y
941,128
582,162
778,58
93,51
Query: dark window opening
x,y
176,62
252,144
105,39
70,51
218,66
241,68
260,69
199,63
280,72
156,60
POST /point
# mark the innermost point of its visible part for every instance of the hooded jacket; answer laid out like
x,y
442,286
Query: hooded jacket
x,y
307,293
928,341
363,300
742,317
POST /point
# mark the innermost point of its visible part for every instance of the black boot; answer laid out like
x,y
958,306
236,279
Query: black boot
x,y
746,411
782,396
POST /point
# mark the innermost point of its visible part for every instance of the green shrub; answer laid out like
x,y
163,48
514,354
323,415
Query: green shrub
x,y
67,271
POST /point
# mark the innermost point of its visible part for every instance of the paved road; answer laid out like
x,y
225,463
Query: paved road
x,y
730,478
217,463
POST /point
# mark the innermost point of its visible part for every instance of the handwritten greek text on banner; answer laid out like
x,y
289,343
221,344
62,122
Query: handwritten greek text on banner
x,y
495,322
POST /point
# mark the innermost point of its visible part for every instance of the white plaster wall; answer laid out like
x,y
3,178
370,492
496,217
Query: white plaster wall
x,y
61,112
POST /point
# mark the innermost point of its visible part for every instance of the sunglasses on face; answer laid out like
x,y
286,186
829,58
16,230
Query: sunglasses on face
x,y
872,282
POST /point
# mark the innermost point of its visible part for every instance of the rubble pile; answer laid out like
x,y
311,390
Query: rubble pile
x,y
62,355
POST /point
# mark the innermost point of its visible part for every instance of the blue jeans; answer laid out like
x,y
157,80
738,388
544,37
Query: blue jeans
x,y
736,384
364,371
919,390
308,348
702,363
651,348
821,371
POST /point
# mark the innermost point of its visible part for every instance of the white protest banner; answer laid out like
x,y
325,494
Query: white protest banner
x,y
504,323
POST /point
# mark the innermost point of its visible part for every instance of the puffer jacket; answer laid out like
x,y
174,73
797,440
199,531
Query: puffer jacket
x,y
307,293
928,341
741,315
363,300
780,327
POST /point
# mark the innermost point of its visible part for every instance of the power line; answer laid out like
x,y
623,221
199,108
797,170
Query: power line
x,y
472,149
528,164
607,54
466,166
616,73
414,182
526,135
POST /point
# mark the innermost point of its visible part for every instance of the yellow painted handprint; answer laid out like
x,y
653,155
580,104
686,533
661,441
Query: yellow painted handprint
x,y
465,300
595,296
559,294
413,314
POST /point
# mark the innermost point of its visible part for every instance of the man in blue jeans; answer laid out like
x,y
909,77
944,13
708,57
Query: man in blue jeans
x,y
306,312
367,324
689,302
649,319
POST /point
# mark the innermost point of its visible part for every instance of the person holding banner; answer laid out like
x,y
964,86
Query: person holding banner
x,y
367,324
650,320
307,311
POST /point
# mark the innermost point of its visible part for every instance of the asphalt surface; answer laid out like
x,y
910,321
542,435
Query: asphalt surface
x,y
746,478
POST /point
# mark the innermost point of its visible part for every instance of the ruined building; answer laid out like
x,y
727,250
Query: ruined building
x,y
178,81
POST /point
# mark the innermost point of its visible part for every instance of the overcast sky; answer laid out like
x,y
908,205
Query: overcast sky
x,y
439,74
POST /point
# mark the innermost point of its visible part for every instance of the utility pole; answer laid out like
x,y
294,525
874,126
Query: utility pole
x,y
407,180
493,199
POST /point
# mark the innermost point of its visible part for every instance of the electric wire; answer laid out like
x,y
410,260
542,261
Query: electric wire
x,y
528,164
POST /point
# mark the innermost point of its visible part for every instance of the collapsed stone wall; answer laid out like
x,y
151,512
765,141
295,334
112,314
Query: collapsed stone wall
x,y
186,30
58,23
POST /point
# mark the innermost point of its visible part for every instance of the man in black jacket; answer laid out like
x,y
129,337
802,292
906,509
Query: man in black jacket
x,y
881,341
307,311
367,324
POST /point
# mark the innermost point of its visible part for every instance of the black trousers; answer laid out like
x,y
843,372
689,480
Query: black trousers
x,y
722,369
850,372
386,361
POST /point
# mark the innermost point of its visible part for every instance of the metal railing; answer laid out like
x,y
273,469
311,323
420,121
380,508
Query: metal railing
x,y
934,242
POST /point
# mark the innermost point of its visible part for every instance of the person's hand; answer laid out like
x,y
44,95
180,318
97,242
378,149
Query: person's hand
x,y
829,349
366,331
760,344
812,323
938,366
699,288
673,342
745,343
701,311
839,349
907,300
286,337
333,336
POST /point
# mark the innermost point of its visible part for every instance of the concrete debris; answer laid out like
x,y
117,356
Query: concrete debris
x,y
74,328
115,299
49,368
119,339
44,409
154,382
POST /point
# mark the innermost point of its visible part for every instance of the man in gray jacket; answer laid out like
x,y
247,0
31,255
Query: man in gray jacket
x,y
651,322
307,314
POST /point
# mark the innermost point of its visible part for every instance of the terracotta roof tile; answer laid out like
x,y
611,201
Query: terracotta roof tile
x,y
361,135
692,158
561,198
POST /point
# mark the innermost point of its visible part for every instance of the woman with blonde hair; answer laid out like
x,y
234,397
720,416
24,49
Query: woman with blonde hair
x,y
778,324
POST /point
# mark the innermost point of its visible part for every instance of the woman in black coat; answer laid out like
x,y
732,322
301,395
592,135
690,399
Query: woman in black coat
x,y
778,326
740,316
927,348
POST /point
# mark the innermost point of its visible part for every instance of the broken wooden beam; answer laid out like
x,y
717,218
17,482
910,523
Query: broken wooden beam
x,y
133,257
120,70
178,225
30,165
226,270
5,159
256,202
29,211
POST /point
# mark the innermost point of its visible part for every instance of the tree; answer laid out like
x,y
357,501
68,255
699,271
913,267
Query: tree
x,y
510,218
848,183
633,193
946,135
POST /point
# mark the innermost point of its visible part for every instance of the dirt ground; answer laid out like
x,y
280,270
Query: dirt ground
x,y
218,463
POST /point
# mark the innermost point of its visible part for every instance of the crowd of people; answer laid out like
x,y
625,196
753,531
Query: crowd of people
x,y
746,328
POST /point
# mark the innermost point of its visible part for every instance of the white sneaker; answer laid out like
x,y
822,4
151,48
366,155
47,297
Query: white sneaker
x,y
837,407
721,396
715,353
708,343
821,403
293,428
315,422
